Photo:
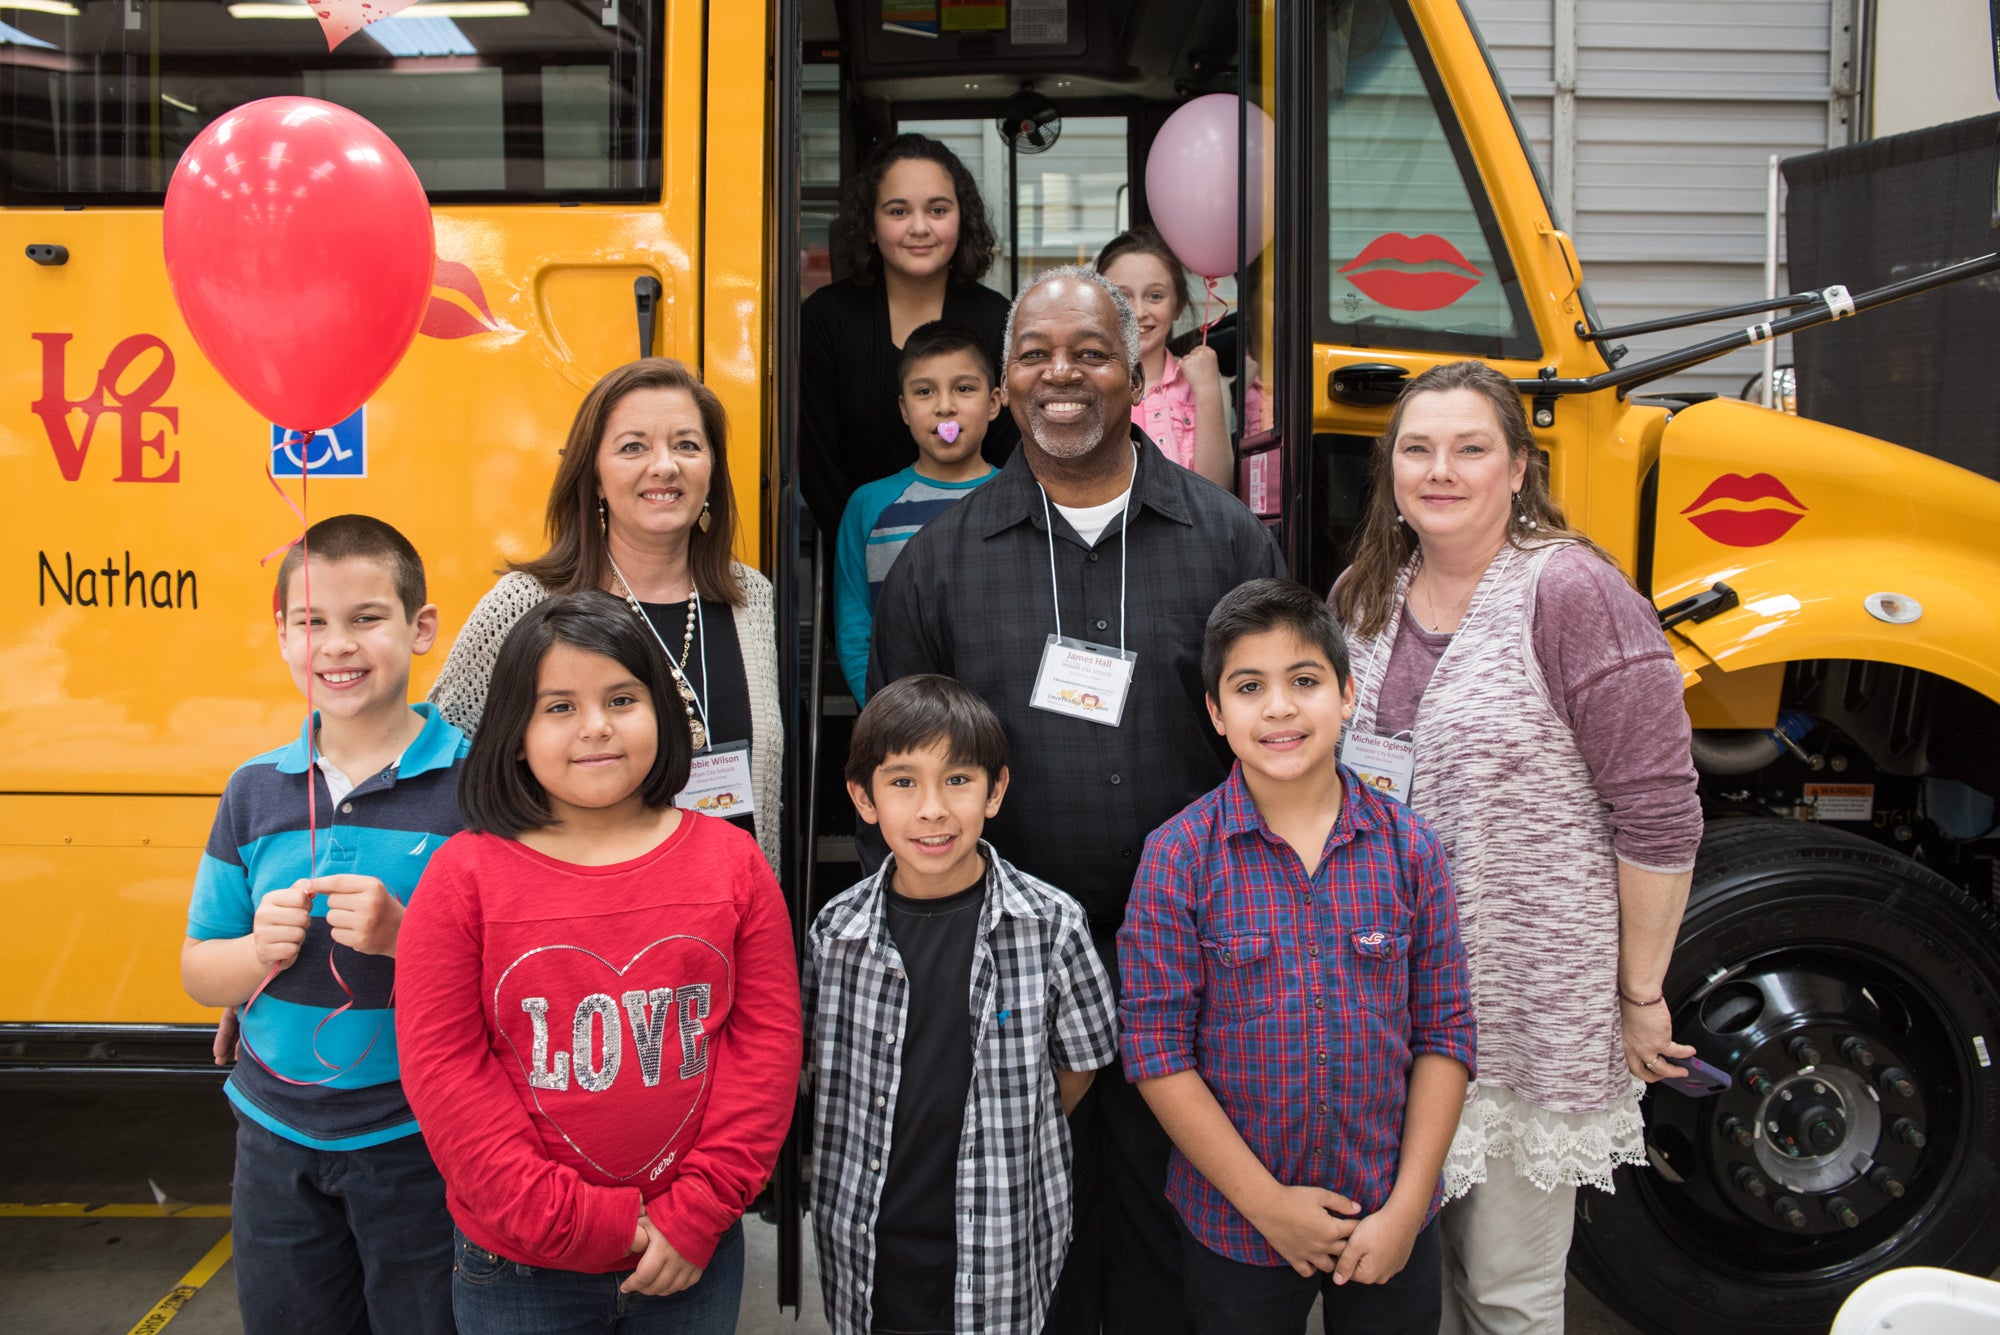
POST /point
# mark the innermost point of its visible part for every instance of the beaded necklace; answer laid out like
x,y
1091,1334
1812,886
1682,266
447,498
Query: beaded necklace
x,y
697,726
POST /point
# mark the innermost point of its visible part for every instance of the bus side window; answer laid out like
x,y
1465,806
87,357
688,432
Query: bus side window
x,y
538,102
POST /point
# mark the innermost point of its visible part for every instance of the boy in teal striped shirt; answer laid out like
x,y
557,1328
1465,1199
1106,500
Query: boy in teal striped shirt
x,y
339,1214
950,395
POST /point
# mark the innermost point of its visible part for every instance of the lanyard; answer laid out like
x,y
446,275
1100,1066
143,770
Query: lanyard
x,y
699,699
1124,550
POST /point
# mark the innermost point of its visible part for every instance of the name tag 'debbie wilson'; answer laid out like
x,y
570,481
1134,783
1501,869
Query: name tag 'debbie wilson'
x,y
1383,763
719,782
1084,680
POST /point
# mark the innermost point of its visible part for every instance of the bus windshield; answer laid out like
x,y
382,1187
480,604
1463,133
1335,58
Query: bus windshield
x,y
1410,254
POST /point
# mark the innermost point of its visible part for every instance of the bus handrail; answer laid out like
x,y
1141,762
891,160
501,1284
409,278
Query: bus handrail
x,y
1833,303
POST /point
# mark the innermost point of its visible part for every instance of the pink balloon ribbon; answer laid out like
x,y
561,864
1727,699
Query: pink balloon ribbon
x,y
301,509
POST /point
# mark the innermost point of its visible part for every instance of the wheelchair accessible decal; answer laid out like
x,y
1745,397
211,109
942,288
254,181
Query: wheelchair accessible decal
x,y
1777,510
339,451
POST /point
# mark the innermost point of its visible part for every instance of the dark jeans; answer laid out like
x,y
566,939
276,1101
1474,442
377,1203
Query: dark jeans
x,y
495,1296
1123,1271
1234,1298
339,1242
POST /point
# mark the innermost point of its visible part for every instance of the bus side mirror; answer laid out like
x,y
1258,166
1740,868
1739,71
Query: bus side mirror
x,y
1566,251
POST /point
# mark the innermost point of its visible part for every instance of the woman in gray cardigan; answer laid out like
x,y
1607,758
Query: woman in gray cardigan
x,y
641,508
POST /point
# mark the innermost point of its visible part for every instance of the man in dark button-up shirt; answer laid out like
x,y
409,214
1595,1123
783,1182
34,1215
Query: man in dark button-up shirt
x,y
972,597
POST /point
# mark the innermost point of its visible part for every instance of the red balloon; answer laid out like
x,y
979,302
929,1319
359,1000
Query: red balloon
x,y
298,244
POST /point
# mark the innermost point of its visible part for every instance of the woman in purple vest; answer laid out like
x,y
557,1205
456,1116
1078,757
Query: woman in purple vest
x,y
1515,688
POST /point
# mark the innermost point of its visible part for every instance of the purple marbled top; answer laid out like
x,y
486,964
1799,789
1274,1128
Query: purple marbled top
x,y
1613,680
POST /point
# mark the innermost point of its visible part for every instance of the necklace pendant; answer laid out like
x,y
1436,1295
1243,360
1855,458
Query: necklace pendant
x,y
697,734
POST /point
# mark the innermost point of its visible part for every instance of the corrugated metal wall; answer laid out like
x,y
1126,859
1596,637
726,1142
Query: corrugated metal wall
x,y
1670,112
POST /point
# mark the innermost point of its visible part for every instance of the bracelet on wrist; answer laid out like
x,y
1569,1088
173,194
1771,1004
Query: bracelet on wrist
x,y
1630,1000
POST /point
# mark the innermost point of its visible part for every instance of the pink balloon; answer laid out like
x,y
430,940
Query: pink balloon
x,y
299,249
1191,183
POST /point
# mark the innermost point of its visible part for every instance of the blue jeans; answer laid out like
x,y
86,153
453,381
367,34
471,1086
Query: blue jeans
x,y
495,1296
339,1242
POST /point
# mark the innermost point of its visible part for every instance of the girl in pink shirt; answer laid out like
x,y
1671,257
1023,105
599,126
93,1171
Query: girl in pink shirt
x,y
1182,406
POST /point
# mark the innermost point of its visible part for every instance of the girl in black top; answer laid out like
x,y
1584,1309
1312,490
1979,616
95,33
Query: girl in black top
x,y
913,234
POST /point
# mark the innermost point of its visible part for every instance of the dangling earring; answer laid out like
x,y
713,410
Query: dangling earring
x,y
703,522
603,516
1523,518
1399,516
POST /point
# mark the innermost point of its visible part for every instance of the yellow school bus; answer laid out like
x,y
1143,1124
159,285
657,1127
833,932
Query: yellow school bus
x,y
139,655
611,177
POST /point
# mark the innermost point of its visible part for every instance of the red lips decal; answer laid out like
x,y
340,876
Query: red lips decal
x,y
1409,289
446,318
1745,528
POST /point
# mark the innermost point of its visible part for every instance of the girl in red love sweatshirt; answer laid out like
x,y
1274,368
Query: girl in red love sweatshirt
x,y
599,1004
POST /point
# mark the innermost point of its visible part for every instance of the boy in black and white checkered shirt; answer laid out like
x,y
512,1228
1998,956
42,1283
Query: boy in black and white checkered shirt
x,y
942,1201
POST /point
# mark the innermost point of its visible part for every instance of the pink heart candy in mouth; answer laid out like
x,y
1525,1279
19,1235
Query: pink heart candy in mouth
x,y
948,430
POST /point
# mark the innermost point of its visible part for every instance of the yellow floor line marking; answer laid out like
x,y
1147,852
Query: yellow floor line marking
x,y
169,1307
70,1211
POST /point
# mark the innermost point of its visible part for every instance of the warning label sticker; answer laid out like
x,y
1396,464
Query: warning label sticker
x,y
1841,801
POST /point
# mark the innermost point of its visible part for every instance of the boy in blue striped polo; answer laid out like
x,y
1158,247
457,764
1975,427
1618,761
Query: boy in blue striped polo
x,y
338,1211
950,396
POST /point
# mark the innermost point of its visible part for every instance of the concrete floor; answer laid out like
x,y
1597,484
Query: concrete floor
x,y
120,1273
760,1316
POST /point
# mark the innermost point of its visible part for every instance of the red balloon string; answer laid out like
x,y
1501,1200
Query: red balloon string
x,y
1208,298
302,510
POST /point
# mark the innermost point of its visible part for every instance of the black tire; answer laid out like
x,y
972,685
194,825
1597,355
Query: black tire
x,y
1796,934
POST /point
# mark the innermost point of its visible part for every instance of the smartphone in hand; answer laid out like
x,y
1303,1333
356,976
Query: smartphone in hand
x,y
1700,1081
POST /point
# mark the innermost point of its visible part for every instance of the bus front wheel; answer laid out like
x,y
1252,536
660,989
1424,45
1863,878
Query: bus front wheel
x,y
1854,998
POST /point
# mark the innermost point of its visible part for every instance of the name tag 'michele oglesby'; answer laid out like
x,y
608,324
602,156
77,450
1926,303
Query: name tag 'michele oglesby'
x,y
1383,763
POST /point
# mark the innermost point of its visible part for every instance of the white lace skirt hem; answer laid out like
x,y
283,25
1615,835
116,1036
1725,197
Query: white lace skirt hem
x,y
1550,1149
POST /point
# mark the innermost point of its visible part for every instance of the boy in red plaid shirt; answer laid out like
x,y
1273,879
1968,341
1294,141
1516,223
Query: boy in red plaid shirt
x,y
1296,1010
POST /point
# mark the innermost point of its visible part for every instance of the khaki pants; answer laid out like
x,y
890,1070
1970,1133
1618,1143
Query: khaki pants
x,y
1506,1248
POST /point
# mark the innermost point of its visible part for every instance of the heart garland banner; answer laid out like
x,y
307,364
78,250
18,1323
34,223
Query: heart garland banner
x,y
341,19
